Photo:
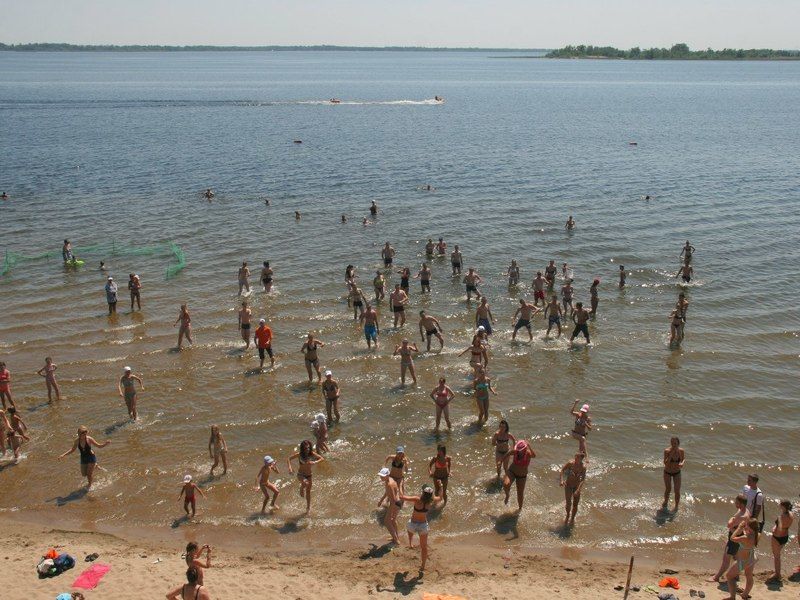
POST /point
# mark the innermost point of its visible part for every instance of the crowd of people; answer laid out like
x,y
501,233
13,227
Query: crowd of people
x,y
511,455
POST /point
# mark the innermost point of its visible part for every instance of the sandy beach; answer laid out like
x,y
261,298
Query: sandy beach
x,y
149,570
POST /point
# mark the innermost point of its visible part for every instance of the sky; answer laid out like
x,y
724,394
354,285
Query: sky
x,y
455,23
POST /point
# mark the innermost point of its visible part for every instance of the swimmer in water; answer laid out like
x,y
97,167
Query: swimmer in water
x,y
244,323
3,196
456,260
553,314
687,252
471,280
309,351
331,393
675,327
373,208
682,306
513,274
483,316
439,470
66,252
441,247
48,371
357,299
188,491
621,276
306,459
344,219
582,426
244,278
482,385
387,254
570,225
525,313
83,443
424,277
127,390
103,266
379,285
365,221
319,427
502,440
208,194
685,273
218,450
538,286
369,319
674,459
405,351
429,248
517,473
186,326
580,316
266,201
266,486
297,215
572,478
429,327
266,276
397,304
442,395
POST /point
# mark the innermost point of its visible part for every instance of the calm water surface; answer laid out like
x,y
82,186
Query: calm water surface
x,y
116,148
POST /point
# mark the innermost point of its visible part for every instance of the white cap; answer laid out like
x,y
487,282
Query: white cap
x,y
126,368
328,372
481,328
187,479
268,460
110,278
585,408
384,472
262,320
319,418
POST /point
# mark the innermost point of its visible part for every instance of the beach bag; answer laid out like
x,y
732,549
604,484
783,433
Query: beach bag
x,y
64,562
46,568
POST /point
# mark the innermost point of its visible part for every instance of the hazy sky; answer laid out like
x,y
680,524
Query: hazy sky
x,y
498,23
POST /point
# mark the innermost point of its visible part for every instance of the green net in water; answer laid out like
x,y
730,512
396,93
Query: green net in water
x,y
11,259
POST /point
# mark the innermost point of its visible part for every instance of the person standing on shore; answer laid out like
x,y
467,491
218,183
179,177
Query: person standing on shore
x,y
472,280
780,536
331,392
48,371
397,303
134,285
553,313
369,318
392,494
306,458
502,440
429,327
127,389
731,547
5,385
405,351
674,459
218,450
538,284
244,323
521,455
186,326
755,498
746,535
263,340
266,277
309,350
387,254
442,395
111,295
244,278
83,443
419,520
580,317
525,313
192,557
265,485
572,478
439,470
483,316
190,589
188,490
456,260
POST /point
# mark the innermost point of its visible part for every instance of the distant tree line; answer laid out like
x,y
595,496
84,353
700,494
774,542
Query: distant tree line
x,y
51,47
677,52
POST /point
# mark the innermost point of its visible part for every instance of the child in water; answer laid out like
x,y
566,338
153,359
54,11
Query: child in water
x,y
48,371
218,449
320,429
265,485
188,490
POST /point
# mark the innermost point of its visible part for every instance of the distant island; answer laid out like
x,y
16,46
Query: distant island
x,y
677,52
57,47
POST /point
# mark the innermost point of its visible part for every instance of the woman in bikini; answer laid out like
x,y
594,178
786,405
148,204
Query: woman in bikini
x,y
674,457
192,590
593,296
5,385
266,276
186,326
521,455
48,371
244,278
502,440
482,385
192,557
746,535
573,475
419,519
582,426
780,536
83,444
405,275
127,389
405,350
675,325
441,396
218,449
306,458
309,350
397,470
439,470
731,548
478,356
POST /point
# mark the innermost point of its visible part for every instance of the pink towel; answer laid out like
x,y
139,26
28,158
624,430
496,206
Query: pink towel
x,y
89,579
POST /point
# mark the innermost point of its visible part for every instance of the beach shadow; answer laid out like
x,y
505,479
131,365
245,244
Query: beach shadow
x,y
306,387
506,524
36,407
794,577
253,372
494,486
776,585
663,516
174,350
235,352
180,521
564,532
377,551
291,525
403,584
473,428
71,497
113,428
6,465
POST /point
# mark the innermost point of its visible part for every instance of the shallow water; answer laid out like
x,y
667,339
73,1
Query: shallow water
x,y
106,148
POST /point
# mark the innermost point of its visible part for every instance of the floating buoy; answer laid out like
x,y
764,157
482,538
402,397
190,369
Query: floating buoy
x,y
633,143
298,141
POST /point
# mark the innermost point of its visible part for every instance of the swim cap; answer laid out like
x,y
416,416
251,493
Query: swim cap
x,y
187,479
328,372
481,328
520,446
268,460
384,472
401,449
585,408
319,417
262,321
126,369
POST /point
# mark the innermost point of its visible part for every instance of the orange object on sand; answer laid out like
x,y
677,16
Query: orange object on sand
x,y
429,596
669,582
51,553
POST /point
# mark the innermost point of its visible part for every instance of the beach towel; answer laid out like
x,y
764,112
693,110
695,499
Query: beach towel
x,y
669,582
429,596
89,579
